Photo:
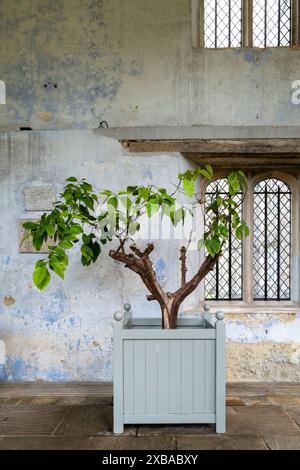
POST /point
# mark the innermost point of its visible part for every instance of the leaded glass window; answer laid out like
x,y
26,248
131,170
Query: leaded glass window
x,y
222,23
225,281
271,23
271,240
245,23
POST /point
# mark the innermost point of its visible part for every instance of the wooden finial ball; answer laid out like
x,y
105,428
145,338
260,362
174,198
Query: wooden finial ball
x,y
118,316
127,307
220,315
206,307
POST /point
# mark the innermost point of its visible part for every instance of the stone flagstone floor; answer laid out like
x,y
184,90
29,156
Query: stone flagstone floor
x,y
79,416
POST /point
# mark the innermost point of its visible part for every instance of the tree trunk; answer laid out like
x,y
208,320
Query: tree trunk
x,y
165,315
169,314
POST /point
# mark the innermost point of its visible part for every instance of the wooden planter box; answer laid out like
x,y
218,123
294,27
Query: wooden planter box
x,y
169,376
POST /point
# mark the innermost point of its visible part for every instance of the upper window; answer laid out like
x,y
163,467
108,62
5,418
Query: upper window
x,y
271,23
245,23
222,23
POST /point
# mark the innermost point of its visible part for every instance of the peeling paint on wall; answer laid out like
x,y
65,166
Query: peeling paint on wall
x,y
279,328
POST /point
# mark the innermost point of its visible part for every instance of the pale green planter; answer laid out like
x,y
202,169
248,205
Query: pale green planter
x,y
169,376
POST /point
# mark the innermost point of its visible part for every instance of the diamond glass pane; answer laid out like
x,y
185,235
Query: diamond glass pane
x,y
225,281
271,23
222,23
271,240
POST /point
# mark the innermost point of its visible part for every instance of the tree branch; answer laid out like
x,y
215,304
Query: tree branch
x,y
142,266
142,254
183,265
185,290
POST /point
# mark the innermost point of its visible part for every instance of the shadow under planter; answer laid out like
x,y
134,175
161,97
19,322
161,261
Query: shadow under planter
x,y
169,376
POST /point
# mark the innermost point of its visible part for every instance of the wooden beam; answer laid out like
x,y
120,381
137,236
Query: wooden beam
x,y
217,147
246,161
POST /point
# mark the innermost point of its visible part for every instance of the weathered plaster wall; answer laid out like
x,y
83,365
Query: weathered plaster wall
x,y
70,64
73,63
64,333
263,347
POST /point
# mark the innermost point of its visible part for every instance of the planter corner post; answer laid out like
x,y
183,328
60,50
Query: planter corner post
x,y
220,374
118,374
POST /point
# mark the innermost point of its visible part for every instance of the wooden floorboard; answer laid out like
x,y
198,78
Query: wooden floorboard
x,y
55,389
106,389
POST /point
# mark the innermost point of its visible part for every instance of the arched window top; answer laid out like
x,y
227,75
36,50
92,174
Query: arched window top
x,y
272,185
219,185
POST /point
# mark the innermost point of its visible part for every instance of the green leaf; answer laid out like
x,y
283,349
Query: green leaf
x,y
209,247
72,179
87,252
41,277
152,208
223,230
86,186
68,196
40,263
126,202
131,189
235,219
216,244
102,216
30,225
234,184
88,202
243,178
50,230
37,241
213,207
162,191
201,243
144,193
207,172
96,249
106,192
189,187
57,267
113,201
246,230
86,239
210,171
239,232
178,216
76,229
66,244
242,231
213,245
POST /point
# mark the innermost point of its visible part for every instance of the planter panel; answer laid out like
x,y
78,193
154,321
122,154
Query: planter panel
x,y
169,376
